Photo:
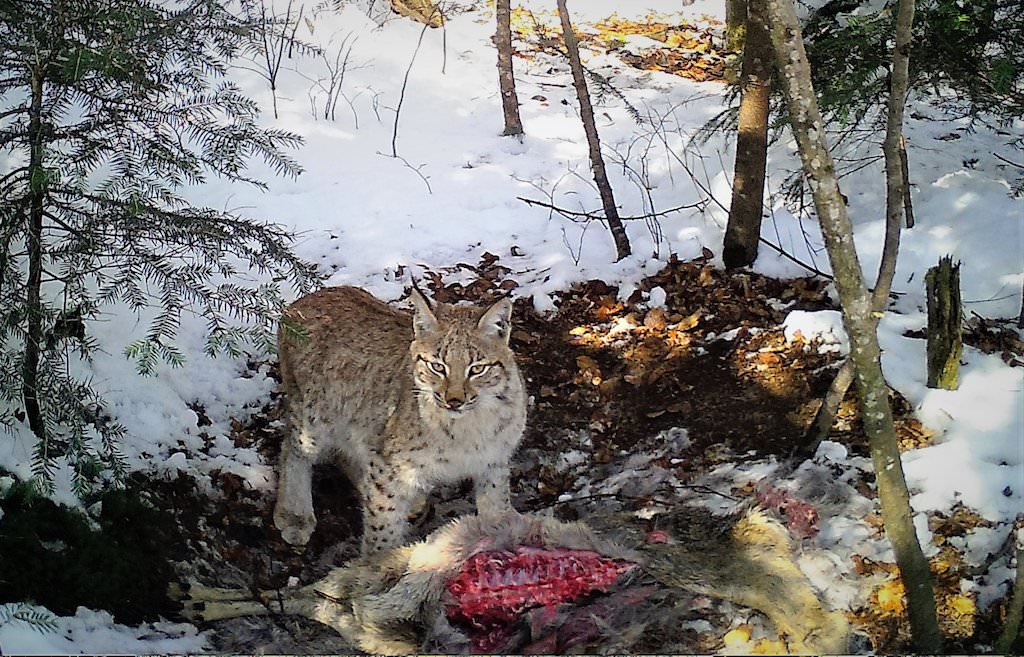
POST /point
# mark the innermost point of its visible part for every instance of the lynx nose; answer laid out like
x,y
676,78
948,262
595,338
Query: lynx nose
x,y
454,403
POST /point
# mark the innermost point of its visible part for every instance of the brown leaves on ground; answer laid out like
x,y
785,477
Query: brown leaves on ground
x,y
651,44
623,371
885,618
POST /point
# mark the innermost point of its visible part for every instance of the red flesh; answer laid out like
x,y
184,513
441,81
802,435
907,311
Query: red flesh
x,y
494,588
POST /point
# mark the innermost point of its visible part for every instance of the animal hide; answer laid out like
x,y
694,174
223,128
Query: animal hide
x,y
522,583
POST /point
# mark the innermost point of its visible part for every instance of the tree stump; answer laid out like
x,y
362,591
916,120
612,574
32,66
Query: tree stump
x,y
945,342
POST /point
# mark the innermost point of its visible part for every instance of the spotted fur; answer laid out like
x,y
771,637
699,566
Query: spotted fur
x,y
402,402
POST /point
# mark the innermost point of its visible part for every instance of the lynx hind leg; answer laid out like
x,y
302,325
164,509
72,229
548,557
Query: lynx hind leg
x,y
387,501
293,513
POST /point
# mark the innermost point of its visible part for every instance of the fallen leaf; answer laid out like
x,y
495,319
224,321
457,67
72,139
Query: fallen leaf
x,y
890,597
688,322
963,605
738,637
769,647
655,319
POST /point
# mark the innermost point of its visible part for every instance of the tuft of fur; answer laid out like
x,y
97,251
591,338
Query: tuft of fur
x,y
402,402
393,601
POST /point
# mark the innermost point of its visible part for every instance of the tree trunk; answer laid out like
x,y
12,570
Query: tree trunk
x,y
1009,641
808,128
744,228
899,83
945,340
897,199
735,24
908,205
611,213
506,78
33,301
1020,317
735,36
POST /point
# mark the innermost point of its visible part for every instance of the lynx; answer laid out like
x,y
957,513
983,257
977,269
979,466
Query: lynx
x,y
402,403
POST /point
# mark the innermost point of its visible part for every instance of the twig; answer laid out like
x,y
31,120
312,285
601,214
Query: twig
x,y
574,215
415,170
782,252
405,82
1008,161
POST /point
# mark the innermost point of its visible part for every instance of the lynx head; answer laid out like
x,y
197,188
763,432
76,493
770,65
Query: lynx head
x,y
460,354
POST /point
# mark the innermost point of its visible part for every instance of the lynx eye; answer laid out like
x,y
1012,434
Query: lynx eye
x,y
437,367
479,368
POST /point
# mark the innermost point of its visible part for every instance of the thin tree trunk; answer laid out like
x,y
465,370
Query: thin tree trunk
x,y
1008,639
506,78
611,213
1020,317
908,205
735,24
735,36
739,248
894,180
895,203
33,301
808,128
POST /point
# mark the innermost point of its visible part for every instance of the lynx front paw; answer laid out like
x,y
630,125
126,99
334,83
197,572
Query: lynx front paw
x,y
296,528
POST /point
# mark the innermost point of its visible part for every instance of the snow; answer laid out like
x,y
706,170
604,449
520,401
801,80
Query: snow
x,y
824,326
370,219
94,632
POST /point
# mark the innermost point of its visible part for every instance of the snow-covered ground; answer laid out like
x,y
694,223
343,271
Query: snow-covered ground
x,y
368,219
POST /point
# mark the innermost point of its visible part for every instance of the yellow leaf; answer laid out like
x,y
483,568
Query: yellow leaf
x,y
738,637
768,647
963,605
890,597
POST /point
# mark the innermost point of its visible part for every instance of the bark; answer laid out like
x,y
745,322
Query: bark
x,y
744,228
611,213
735,24
808,128
894,177
897,200
1009,640
33,299
735,36
945,340
908,205
1020,317
506,77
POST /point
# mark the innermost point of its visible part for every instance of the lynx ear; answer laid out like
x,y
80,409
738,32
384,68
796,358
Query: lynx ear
x,y
423,320
496,321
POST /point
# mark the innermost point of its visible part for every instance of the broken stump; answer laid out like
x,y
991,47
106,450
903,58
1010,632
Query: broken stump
x,y
945,340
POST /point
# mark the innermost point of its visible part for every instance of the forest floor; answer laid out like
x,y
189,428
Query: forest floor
x,y
690,385
611,380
